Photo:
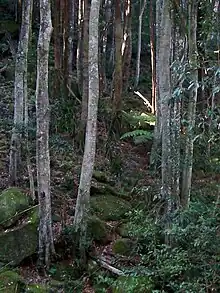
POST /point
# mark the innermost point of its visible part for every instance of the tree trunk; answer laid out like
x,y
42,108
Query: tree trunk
x,y
117,96
85,82
82,204
192,56
127,44
20,91
46,246
156,148
153,57
137,75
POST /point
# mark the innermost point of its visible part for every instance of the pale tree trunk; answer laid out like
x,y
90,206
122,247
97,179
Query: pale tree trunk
x,y
137,75
192,57
46,247
20,91
82,204
79,59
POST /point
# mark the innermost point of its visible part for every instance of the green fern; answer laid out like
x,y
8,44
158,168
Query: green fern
x,y
139,120
139,136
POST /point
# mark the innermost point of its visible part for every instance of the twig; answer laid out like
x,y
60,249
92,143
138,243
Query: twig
x,y
105,265
146,102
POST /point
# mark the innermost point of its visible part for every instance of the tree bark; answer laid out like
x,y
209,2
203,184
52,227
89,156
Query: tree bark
x,y
20,91
137,75
192,57
46,247
82,204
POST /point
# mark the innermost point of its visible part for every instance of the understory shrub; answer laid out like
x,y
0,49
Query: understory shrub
x,y
192,262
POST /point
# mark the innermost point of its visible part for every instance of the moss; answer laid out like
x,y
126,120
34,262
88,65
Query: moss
x,y
10,282
97,230
123,230
36,288
12,201
123,246
18,243
133,285
109,207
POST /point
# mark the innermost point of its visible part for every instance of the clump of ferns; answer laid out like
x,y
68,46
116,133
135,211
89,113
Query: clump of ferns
x,y
142,125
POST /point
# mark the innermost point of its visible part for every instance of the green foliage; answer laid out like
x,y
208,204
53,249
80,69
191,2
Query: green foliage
x,y
142,125
192,263
139,136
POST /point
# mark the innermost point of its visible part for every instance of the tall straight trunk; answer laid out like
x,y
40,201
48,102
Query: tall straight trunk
x,y
153,57
192,57
46,246
82,204
57,45
79,60
117,97
156,148
85,82
127,44
20,91
137,74
164,52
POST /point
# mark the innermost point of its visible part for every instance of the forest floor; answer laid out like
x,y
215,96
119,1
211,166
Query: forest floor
x,y
129,171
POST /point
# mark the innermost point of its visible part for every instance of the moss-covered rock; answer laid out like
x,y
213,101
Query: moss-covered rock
x,y
12,201
10,282
22,241
123,230
109,207
124,246
97,230
130,284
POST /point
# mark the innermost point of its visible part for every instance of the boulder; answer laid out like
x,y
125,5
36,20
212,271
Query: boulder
x,y
21,241
109,208
12,202
124,246
97,230
11,282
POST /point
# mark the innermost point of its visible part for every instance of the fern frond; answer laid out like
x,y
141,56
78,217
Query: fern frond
x,y
136,133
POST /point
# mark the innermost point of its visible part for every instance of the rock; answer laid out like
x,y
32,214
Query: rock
x,y
12,201
123,230
20,242
100,176
97,230
124,246
11,282
130,284
109,207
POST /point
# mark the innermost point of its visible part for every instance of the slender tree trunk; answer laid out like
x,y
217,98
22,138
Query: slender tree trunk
x,y
192,56
117,97
137,75
20,91
153,57
127,44
156,148
85,82
46,246
82,204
